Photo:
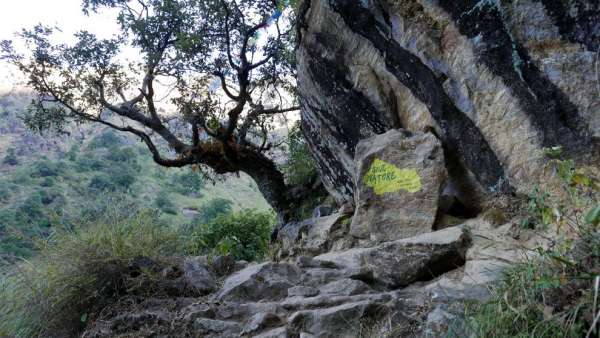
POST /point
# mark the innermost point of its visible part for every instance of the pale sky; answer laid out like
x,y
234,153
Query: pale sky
x,y
65,14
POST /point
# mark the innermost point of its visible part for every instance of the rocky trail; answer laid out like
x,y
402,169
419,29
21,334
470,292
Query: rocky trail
x,y
401,279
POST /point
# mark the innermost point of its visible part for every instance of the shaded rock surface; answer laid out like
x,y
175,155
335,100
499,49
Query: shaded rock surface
x,y
315,236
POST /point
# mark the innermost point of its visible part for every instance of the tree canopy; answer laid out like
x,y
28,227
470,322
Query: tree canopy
x,y
224,82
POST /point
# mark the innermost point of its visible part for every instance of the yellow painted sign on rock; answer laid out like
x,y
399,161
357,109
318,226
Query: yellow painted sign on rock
x,y
385,177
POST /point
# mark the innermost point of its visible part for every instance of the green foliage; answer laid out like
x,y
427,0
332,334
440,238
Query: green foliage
x,y
187,182
214,208
11,157
551,293
47,168
300,167
89,163
73,153
77,273
117,181
164,203
593,216
32,211
107,139
245,235
5,191
546,296
47,182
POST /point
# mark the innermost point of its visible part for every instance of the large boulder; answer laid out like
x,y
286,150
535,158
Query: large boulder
x,y
197,276
399,263
399,178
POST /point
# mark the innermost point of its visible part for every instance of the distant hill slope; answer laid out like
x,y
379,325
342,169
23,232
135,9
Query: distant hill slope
x,y
54,180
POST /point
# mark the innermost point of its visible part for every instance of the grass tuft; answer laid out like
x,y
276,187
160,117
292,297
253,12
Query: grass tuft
x,y
77,273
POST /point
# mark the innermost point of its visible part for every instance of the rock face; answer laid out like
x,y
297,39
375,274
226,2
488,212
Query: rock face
x,y
497,81
399,180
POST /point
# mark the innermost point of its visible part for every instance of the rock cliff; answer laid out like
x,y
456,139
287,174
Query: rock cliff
x,y
496,81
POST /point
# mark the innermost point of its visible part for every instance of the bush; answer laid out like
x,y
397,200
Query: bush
x,y
47,168
88,162
101,182
245,235
117,181
54,196
164,203
106,140
214,208
32,211
73,152
47,182
5,192
125,155
11,157
300,168
78,273
187,182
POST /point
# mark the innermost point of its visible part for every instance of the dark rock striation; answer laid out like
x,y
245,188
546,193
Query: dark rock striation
x,y
495,81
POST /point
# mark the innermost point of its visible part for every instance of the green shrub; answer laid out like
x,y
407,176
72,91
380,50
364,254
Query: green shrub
x,y
11,157
5,191
32,211
164,203
77,273
124,154
214,208
117,181
300,167
47,168
73,153
88,162
105,140
245,235
49,196
47,182
187,182
101,182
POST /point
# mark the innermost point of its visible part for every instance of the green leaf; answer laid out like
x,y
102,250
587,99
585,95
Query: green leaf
x,y
84,317
593,216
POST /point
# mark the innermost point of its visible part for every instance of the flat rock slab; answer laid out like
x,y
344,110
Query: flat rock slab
x,y
399,263
266,281
399,181
339,321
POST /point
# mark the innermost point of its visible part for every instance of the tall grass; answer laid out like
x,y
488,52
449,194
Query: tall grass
x,y
555,292
77,273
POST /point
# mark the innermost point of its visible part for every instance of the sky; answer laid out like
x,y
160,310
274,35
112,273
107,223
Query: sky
x,y
65,14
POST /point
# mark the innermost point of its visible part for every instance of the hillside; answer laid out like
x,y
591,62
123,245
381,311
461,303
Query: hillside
x,y
52,180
